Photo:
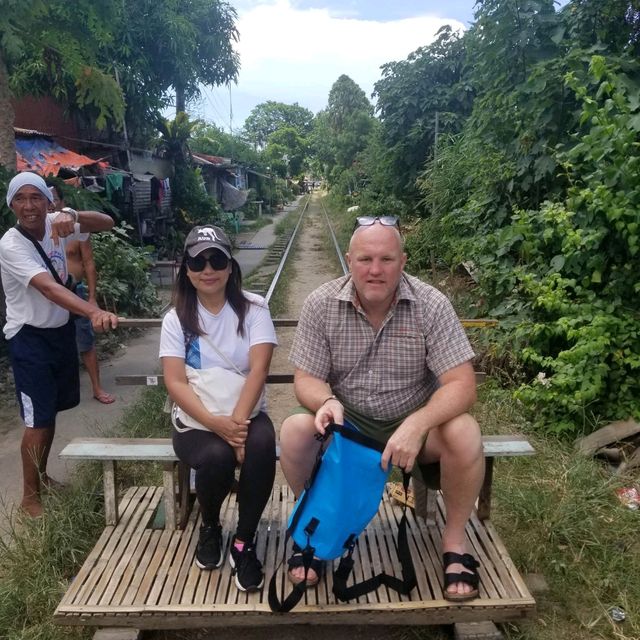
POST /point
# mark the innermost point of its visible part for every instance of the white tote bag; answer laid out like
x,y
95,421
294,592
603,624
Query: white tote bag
x,y
218,389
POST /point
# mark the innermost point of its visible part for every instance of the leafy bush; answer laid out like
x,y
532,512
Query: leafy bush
x,y
124,284
570,269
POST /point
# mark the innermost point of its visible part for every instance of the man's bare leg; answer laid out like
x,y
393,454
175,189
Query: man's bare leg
x,y
34,450
298,449
458,446
90,361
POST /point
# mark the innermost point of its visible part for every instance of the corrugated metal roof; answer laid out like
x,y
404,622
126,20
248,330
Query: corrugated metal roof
x,y
218,161
44,156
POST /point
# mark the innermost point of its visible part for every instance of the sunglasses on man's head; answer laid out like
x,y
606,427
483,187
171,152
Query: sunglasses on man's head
x,y
217,261
367,221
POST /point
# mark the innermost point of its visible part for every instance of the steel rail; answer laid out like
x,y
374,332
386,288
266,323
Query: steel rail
x,y
285,254
343,264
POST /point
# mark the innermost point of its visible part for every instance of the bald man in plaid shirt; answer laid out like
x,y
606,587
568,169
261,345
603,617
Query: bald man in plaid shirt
x,y
388,352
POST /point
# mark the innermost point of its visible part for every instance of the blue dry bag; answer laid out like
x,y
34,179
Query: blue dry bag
x,y
340,498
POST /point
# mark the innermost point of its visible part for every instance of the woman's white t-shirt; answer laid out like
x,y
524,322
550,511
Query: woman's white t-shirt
x,y
222,330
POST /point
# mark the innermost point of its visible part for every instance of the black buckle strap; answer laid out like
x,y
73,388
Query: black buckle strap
x,y
404,586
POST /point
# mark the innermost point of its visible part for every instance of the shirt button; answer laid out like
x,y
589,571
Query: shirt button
x,y
370,372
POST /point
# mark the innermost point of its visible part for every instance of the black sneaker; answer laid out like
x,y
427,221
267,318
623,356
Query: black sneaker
x,y
209,549
246,568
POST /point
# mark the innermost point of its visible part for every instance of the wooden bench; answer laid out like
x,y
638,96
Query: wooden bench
x,y
110,451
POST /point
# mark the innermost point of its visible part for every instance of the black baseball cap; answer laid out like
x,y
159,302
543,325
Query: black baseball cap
x,y
207,237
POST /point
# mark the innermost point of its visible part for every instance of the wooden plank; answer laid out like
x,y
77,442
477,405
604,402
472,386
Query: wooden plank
x,y
123,528
422,560
476,631
170,513
467,323
184,562
168,546
614,432
157,379
160,449
152,541
506,445
151,570
134,565
141,514
165,596
117,634
117,578
110,495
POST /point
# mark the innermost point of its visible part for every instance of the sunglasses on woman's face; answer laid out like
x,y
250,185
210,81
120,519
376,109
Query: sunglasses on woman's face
x,y
367,221
217,261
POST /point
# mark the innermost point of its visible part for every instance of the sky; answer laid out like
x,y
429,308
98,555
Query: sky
x,y
294,50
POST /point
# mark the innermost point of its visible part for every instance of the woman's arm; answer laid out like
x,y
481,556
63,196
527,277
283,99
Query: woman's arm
x,y
259,362
180,391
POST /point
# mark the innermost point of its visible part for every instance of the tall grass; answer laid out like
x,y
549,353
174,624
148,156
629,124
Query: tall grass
x,y
39,557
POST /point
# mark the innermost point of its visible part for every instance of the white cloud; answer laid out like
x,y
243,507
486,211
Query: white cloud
x,y
293,55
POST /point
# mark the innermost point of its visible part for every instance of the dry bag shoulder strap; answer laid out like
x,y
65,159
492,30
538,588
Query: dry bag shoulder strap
x,y
404,586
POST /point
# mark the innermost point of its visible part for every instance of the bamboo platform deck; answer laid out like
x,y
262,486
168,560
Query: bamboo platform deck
x,y
141,577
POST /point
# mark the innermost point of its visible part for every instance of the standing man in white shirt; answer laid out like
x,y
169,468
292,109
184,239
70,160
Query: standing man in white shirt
x,y
39,330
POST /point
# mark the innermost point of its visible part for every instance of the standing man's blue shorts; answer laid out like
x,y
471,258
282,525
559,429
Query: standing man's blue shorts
x,y
46,372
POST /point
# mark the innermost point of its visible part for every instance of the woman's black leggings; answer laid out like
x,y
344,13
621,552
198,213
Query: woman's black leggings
x,y
214,461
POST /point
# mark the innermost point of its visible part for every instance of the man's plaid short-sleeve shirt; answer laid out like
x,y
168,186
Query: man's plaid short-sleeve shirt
x,y
388,374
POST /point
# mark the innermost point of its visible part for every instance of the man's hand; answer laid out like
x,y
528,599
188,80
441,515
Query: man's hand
x,y
331,411
102,321
404,445
62,225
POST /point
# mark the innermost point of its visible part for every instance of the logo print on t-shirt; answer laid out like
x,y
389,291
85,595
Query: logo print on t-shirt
x,y
59,264
192,358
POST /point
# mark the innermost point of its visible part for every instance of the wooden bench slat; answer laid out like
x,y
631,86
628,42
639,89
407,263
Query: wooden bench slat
x,y
161,449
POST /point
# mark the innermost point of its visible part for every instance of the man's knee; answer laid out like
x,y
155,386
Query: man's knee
x,y
461,435
298,428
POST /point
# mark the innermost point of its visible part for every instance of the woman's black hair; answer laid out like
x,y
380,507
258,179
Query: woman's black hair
x,y
185,299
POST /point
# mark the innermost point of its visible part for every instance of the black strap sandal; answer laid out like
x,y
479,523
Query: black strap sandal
x,y
317,565
469,577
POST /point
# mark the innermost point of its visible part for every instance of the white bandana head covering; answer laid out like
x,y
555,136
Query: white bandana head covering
x,y
27,178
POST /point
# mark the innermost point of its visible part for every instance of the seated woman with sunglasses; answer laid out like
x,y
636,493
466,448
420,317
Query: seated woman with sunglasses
x,y
214,323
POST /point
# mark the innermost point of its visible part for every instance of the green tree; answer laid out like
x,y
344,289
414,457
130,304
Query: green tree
x,y
174,47
286,152
210,139
267,117
343,131
58,44
190,199
430,83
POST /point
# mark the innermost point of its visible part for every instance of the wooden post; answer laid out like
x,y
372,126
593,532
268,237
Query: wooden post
x,y
169,496
484,499
110,493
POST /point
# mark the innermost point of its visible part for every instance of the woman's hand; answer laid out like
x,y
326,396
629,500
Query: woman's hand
x,y
235,433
